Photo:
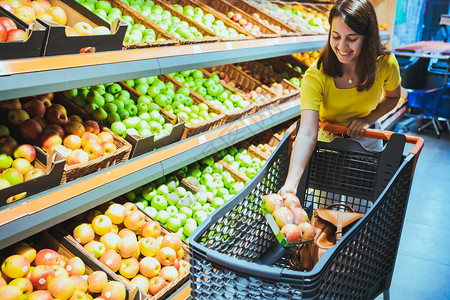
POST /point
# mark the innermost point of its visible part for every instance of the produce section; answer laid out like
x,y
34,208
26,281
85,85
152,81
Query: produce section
x,y
52,206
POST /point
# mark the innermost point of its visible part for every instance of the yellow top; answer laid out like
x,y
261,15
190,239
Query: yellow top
x,y
340,106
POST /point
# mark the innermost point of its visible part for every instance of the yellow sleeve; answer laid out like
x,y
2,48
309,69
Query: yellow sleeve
x,y
311,95
392,79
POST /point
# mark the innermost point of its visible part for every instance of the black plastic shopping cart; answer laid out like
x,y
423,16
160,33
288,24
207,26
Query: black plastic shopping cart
x,y
235,255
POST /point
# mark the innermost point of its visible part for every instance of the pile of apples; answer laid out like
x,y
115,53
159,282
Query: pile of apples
x,y
256,95
266,148
112,105
274,27
307,57
208,21
9,31
244,23
128,243
28,11
47,124
46,275
297,81
16,162
242,161
211,89
290,217
175,206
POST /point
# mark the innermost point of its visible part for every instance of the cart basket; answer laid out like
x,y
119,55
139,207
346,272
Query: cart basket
x,y
235,255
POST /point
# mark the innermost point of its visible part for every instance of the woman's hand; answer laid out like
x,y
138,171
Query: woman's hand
x,y
357,127
287,189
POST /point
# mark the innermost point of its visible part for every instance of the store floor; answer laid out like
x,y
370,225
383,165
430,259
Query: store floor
x,y
422,269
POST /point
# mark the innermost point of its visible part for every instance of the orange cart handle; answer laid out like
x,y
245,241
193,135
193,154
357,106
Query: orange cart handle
x,y
376,134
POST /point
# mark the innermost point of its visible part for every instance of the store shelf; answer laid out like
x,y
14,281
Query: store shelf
x,y
26,77
52,207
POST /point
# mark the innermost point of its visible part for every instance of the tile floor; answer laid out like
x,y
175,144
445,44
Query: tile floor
x,y
422,269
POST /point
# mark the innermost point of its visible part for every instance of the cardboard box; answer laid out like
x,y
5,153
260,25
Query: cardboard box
x,y
53,168
58,43
32,47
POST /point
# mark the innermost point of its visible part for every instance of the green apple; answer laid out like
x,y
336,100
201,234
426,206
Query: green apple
x,y
200,216
162,190
172,210
182,217
162,216
173,224
236,188
159,202
196,207
151,211
100,114
201,197
70,94
189,227
173,198
113,117
186,211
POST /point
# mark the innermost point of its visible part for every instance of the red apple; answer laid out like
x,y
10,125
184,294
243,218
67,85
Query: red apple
x,y
7,145
129,267
128,246
166,256
92,126
169,273
157,283
93,149
25,151
33,173
6,5
72,142
61,287
3,33
74,127
116,213
57,115
41,121
15,266
41,275
272,202
283,216
80,282
89,137
56,128
291,201
22,165
151,229
50,138
300,216
308,231
47,257
34,107
291,233
75,266
149,266
77,156
75,118
40,295
16,35
111,259
8,23
134,220
36,6
97,281
31,130
84,233
114,290
171,240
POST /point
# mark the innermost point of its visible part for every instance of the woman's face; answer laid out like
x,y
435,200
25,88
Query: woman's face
x,y
345,43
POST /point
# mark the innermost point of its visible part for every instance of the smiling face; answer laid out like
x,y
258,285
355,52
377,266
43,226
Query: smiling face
x,y
345,42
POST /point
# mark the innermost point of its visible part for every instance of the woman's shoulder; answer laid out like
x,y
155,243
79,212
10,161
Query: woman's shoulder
x,y
387,60
315,70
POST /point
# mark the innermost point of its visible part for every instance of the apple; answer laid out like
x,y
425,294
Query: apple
x,y
149,266
61,287
128,246
141,282
272,202
108,147
33,174
300,216
171,240
111,259
50,138
58,14
151,229
12,175
41,275
156,284
10,291
17,116
308,231
97,281
291,233
24,284
89,137
101,224
189,227
26,250
22,165
148,246
75,266
7,6
84,233
159,202
25,151
166,256
169,273
92,126
125,232
95,248
110,240
5,161
134,220
74,127
40,295
283,216
114,290
72,142
129,267
77,156
81,283
47,257
7,145
15,266
291,201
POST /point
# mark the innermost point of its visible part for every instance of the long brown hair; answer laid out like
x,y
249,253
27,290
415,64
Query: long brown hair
x,y
360,16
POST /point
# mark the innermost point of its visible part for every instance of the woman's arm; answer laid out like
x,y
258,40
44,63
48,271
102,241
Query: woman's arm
x,y
303,147
390,99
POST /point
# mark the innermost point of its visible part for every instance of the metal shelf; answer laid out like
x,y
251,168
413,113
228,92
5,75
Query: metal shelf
x,y
18,221
27,77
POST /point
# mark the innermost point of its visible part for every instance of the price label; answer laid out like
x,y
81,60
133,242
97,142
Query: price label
x,y
201,139
197,49
246,122
267,114
229,45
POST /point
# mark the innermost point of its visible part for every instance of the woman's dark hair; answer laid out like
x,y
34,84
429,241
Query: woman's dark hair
x,y
360,16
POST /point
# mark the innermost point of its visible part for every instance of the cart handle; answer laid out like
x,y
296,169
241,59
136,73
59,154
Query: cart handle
x,y
376,134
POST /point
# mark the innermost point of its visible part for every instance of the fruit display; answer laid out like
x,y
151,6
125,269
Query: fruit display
x,y
35,271
209,87
9,31
132,245
307,57
244,23
306,23
28,11
243,160
289,72
114,106
205,17
288,220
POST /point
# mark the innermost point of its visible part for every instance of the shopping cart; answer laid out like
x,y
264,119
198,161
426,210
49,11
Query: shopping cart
x,y
235,255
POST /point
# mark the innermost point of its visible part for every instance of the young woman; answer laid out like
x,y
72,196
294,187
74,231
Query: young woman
x,y
354,82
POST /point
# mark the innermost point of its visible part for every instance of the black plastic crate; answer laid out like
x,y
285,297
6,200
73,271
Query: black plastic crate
x,y
236,256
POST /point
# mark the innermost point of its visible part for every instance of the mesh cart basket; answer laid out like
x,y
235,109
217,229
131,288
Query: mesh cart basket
x,y
235,255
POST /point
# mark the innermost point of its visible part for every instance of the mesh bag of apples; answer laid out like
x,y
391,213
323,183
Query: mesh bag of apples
x,y
287,219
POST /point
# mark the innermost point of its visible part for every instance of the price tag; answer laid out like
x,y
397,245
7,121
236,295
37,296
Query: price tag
x,y
197,49
229,45
246,122
201,139
267,114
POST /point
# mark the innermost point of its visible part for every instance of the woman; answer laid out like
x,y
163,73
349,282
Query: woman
x,y
354,82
